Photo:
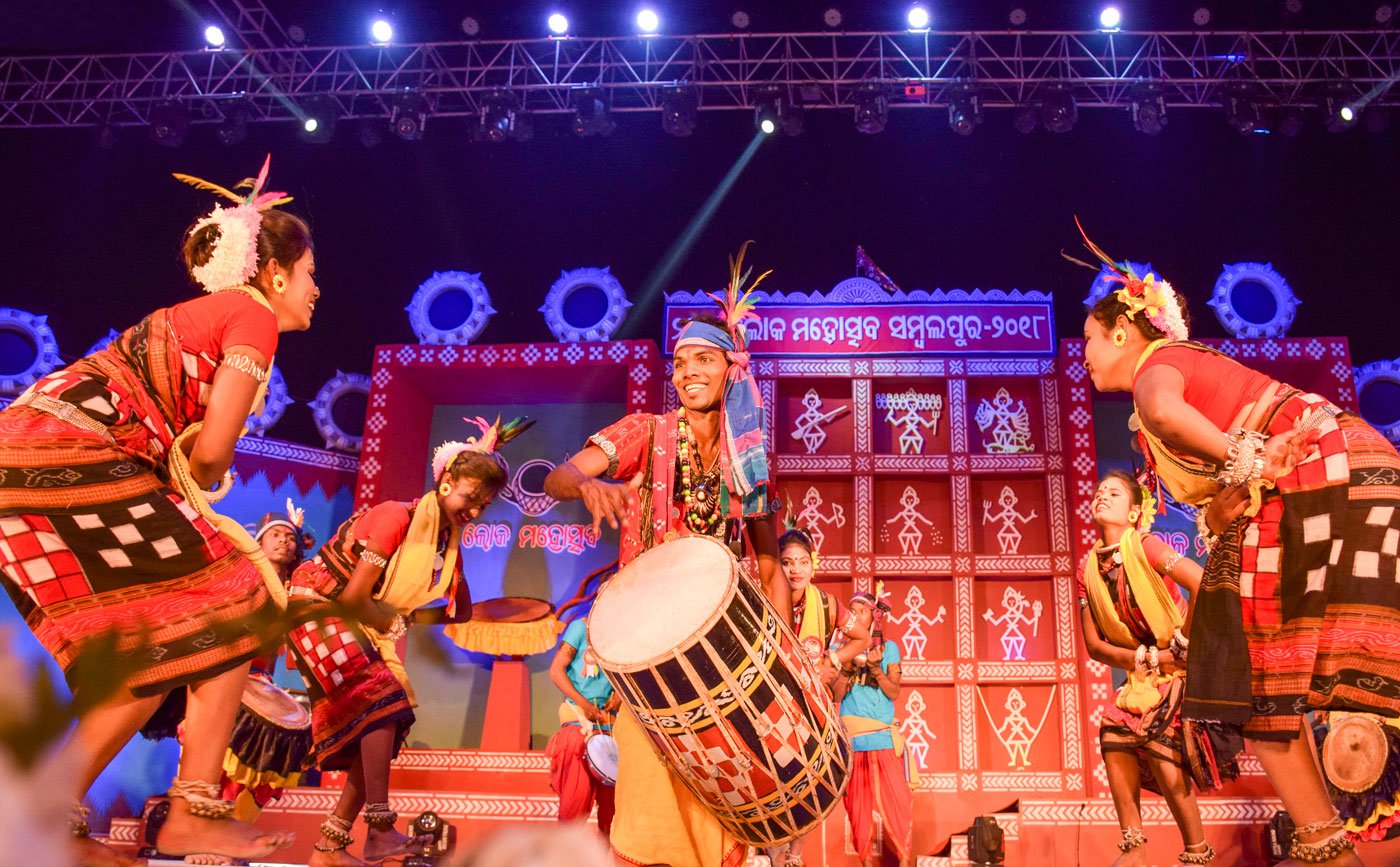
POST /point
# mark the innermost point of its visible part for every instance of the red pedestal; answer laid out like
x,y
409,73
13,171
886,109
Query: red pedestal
x,y
507,727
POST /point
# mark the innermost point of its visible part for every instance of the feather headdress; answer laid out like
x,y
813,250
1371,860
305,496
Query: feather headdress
x,y
234,258
493,436
1155,299
736,303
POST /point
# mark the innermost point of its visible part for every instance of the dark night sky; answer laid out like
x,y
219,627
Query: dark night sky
x,y
91,235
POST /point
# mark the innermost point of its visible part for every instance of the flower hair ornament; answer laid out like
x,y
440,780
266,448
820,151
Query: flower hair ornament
x,y
1155,299
1148,513
493,436
233,259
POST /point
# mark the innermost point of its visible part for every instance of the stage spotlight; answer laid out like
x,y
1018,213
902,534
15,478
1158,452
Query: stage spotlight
x,y
214,37
1339,108
774,111
502,117
591,113
986,842
965,110
1242,108
680,111
381,31
558,24
471,26
648,22
408,115
297,34
1290,121
1017,17
1384,13
1201,17
832,17
918,17
318,119
1293,7
1058,110
1110,18
170,122
234,127
872,109
1149,108
1025,119
740,20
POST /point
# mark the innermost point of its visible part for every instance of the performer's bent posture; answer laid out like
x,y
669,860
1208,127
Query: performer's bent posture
x,y
1136,620
698,470
817,618
103,545
1298,608
879,801
353,603
588,700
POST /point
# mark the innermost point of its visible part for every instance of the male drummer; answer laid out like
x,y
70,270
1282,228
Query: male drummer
x,y
699,470
589,702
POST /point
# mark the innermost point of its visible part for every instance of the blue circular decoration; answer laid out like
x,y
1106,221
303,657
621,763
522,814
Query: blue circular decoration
x,y
104,342
28,350
1378,395
1102,284
449,308
274,404
323,409
1251,299
585,304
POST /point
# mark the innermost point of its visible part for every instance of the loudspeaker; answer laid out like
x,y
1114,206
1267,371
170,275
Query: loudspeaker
x,y
986,844
1279,837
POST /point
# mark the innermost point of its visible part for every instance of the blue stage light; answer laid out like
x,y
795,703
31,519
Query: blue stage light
x,y
558,24
381,31
1347,113
918,18
648,21
1110,18
214,37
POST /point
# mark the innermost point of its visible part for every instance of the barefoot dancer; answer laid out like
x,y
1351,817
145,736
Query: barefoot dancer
x,y
1135,621
94,541
1298,608
354,601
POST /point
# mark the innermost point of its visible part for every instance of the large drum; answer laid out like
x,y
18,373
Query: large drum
x,y
723,689
271,740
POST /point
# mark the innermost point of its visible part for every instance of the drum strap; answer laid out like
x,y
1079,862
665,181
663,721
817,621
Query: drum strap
x,y
647,506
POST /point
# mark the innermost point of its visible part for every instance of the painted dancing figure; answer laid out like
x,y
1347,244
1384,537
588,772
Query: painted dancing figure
x,y
110,548
1008,537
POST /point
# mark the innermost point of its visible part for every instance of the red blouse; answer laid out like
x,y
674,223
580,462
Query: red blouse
x,y
1216,386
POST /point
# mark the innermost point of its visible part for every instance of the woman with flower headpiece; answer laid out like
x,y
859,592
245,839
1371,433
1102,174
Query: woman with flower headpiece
x,y
699,470
100,544
1298,609
1135,620
353,603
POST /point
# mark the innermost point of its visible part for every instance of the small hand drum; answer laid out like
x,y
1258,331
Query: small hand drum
x,y
1354,751
600,753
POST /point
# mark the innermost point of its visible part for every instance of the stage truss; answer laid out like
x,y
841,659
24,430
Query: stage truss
x,y
266,80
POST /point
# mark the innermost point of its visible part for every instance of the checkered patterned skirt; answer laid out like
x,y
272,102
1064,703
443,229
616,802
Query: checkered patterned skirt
x,y
1313,582
353,692
94,545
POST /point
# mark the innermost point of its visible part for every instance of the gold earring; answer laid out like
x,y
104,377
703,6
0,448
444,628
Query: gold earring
x,y
279,284
1120,337
445,489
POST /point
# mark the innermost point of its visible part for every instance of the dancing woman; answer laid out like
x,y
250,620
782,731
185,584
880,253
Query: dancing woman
x,y
1133,616
1299,608
96,544
699,470
354,602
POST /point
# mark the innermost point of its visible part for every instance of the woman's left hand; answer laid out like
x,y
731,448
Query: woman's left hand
x,y
1283,452
1167,662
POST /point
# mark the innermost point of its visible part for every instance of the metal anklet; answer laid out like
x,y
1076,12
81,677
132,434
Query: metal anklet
x,y
1323,850
1203,857
380,817
337,830
1132,838
202,799
77,820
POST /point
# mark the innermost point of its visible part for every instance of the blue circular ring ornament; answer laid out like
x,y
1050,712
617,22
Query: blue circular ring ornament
x,y
1102,285
104,342
435,287
570,282
335,388
1235,322
35,330
1380,371
274,404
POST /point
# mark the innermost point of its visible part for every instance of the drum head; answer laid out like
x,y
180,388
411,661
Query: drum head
x,y
511,609
601,751
659,600
1354,752
274,704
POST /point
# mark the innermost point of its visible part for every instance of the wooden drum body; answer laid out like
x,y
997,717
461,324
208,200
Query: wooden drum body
x,y
723,689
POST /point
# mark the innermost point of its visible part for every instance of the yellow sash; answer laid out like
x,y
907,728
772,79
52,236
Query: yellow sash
x,y
410,581
814,623
1187,479
860,725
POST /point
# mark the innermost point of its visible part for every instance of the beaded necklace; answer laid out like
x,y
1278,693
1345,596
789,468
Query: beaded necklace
x,y
702,499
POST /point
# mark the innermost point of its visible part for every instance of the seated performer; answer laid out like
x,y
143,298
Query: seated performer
x,y
589,700
698,470
1133,620
879,790
815,615
354,601
108,548
1298,608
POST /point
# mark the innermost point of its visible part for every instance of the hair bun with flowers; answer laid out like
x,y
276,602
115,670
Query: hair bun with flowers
x,y
233,259
493,436
1155,299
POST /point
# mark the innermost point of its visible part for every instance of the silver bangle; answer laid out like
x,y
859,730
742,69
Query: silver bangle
x,y
373,558
1170,563
1208,539
244,364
